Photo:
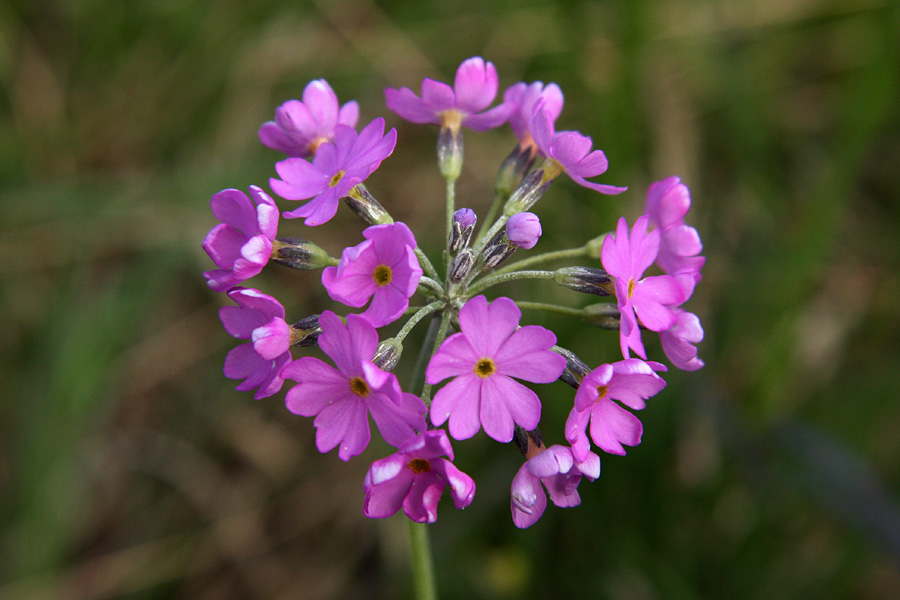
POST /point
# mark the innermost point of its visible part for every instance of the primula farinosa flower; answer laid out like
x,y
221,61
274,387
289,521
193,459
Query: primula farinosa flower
x,y
560,472
336,169
668,201
483,358
300,128
341,398
524,229
242,243
648,300
679,339
260,319
415,478
629,381
464,104
523,97
384,268
570,150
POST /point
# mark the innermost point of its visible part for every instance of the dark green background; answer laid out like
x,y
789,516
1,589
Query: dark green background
x,y
129,468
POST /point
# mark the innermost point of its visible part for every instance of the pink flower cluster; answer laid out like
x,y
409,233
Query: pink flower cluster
x,y
484,364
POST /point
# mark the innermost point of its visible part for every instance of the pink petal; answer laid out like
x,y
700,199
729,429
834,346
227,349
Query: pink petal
x,y
612,426
505,401
475,86
459,401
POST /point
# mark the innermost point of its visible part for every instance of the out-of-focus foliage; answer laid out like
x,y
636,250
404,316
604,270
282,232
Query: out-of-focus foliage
x,y
129,468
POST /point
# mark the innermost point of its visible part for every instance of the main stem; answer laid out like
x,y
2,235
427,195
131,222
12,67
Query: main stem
x,y
422,563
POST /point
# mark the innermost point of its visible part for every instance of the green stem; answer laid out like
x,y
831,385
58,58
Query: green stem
x,y
451,208
541,258
422,562
499,199
414,320
553,308
426,264
495,279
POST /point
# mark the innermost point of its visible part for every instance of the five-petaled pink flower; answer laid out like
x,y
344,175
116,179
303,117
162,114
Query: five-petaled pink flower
x,y
629,381
464,104
560,471
300,128
336,169
570,150
650,299
384,268
342,398
242,243
483,358
260,319
414,478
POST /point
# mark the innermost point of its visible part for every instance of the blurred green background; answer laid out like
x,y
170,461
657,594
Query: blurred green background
x,y
130,468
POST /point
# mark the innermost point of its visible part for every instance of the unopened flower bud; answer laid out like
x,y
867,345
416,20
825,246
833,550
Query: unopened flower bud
x,y
523,229
576,369
497,250
527,193
587,280
299,253
450,152
461,231
514,168
604,315
367,207
462,265
305,332
388,354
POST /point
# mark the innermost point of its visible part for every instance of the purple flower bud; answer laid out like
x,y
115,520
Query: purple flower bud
x,y
463,225
523,229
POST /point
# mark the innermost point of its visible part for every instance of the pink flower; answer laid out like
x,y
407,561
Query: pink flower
x,y
464,104
242,243
523,97
668,201
524,229
384,268
650,299
415,478
560,471
336,169
629,381
300,127
342,398
570,150
483,358
260,319
679,339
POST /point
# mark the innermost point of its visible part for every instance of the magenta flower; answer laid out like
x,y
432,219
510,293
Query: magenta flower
x,y
570,150
384,268
260,319
342,398
524,229
668,201
483,358
336,169
560,471
300,128
629,381
679,339
415,478
650,299
464,104
523,97
242,243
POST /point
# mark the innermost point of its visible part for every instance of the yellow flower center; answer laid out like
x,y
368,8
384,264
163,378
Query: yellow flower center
x,y
630,287
337,177
382,275
602,390
359,387
419,465
485,367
